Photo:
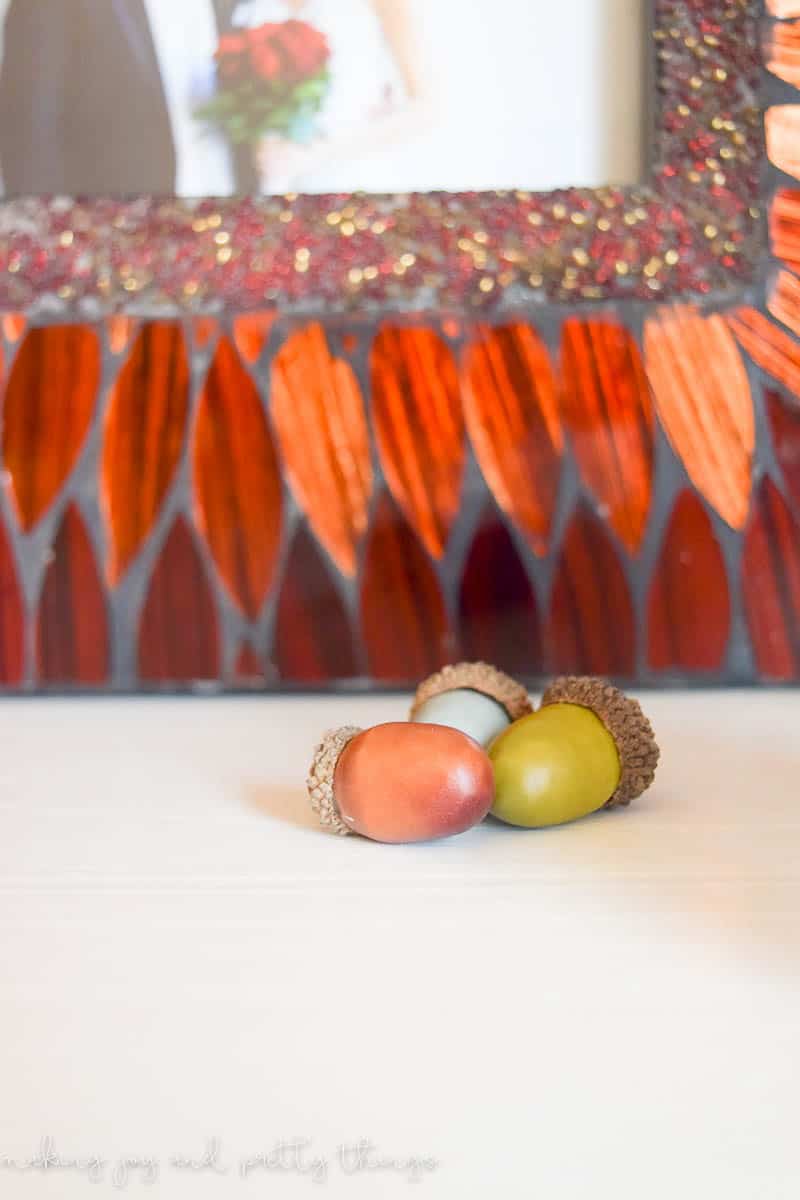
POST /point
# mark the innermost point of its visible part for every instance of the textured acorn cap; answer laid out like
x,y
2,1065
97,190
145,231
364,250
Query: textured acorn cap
x,y
624,720
477,677
320,777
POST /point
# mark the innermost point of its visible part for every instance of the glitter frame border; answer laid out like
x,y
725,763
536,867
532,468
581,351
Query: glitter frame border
x,y
695,231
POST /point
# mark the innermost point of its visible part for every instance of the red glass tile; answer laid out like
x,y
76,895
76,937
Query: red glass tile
x,y
119,331
512,414
416,409
72,644
403,617
591,626
178,638
321,422
775,351
499,619
609,413
689,612
144,438
703,399
237,479
313,638
771,585
784,416
12,617
50,400
204,330
13,325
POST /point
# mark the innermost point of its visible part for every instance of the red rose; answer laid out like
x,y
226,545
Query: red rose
x,y
304,48
266,61
231,57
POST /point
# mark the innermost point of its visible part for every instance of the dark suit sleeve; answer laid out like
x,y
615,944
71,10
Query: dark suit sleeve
x,y
34,86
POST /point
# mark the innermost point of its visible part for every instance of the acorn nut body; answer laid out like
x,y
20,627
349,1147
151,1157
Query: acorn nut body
x,y
475,698
401,782
588,747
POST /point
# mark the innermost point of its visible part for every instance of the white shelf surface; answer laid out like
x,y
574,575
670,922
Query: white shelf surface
x,y
606,1009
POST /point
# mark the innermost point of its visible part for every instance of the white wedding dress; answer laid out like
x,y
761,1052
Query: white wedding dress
x,y
366,84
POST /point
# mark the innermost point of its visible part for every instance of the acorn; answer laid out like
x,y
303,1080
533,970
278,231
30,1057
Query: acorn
x,y
475,698
587,747
400,782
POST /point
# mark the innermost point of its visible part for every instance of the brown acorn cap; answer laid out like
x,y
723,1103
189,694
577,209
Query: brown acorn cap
x,y
477,677
624,720
320,777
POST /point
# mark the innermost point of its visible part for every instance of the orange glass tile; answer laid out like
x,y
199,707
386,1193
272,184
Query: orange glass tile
x,y
775,351
237,480
416,410
498,614
313,640
783,51
12,616
250,334
72,640
204,330
784,300
13,326
119,331
689,613
608,410
771,585
782,128
784,226
703,399
178,638
403,618
512,414
144,436
591,627
320,419
784,418
49,404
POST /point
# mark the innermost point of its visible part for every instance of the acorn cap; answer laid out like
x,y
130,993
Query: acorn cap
x,y
624,720
320,777
477,677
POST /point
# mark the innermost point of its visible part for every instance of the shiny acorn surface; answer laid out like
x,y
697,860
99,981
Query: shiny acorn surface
x,y
407,782
556,765
463,708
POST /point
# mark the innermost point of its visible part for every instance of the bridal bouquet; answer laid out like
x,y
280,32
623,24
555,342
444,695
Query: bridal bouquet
x,y
270,79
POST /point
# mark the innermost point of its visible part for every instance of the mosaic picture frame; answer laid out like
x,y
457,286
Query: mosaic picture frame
x,y
337,441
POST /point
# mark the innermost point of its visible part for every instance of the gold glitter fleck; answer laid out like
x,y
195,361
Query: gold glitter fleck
x,y
224,255
581,257
652,267
486,284
333,218
408,260
355,275
621,267
286,216
711,231
214,220
578,218
671,257
480,237
191,288
604,224
559,212
379,227
347,228
534,218
222,239
67,237
371,272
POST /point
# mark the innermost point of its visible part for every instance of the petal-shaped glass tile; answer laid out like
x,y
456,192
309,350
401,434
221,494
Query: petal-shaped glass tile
x,y
12,617
784,226
251,332
609,413
511,410
321,423
50,400
689,611
313,641
782,128
703,399
13,326
591,627
119,331
144,437
72,642
178,637
249,670
204,330
782,51
775,350
403,616
416,410
237,479
783,301
499,618
784,418
771,585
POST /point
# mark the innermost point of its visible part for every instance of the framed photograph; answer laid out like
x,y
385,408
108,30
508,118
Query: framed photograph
x,y
386,332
